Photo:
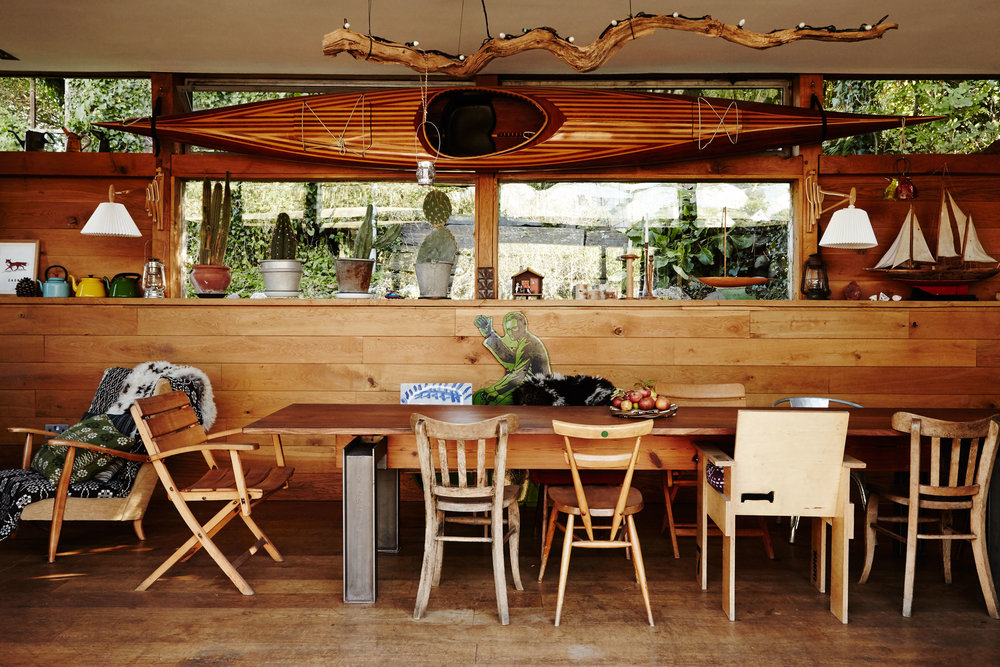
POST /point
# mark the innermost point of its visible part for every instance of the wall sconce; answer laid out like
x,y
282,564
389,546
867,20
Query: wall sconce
x,y
111,219
849,227
815,283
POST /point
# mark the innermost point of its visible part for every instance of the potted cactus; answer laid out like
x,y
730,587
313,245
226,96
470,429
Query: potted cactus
x,y
354,273
436,254
282,273
210,277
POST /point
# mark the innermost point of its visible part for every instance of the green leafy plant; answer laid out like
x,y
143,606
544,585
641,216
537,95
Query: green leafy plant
x,y
217,212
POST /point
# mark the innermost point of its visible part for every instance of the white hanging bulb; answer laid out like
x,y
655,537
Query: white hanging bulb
x,y
346,24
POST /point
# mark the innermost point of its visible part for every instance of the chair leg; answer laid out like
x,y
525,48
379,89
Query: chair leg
x,y
946,545
765,536
137,526
549,535
640,569
262,541
871,518
564,564
427,568
981,557
200,537
438,552
499,576
911,558
542,509
729,575
701,567
514,520
669,493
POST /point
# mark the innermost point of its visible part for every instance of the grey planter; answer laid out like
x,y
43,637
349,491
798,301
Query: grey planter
x,y
281,275
433,279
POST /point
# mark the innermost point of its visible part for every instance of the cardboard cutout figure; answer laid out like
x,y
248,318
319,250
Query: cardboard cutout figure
x,y
519,351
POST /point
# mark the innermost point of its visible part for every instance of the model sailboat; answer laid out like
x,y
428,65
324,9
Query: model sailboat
x,y
960,259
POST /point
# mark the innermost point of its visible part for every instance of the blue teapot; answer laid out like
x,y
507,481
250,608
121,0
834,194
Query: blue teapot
x,y
56,286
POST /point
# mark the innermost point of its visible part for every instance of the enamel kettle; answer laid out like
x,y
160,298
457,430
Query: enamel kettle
x,y
56,285
90,286
125,285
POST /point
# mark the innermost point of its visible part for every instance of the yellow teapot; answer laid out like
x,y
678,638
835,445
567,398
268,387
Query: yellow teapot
x,y
90,286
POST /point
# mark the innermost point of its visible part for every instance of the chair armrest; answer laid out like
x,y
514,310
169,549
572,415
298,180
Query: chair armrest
x,y
222,434
207,447
58,442
851,462
715,456
28,443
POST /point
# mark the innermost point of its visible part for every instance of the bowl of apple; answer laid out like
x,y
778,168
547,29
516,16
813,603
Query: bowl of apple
x,y
641,402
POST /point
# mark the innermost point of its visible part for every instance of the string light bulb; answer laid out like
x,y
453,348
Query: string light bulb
x,y
614,22
802,25
347,25
676,14
866,26
570,39
461,57
503,35
742,23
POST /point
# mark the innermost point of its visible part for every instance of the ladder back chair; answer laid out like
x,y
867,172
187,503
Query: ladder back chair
x,y
607,448
960,457
457,493
772,474
725,394
168,427
823,402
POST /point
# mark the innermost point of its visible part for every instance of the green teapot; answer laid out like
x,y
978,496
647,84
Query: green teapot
x,y
125,285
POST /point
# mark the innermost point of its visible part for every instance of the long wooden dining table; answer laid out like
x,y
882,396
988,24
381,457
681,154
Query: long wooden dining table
x,y
376,442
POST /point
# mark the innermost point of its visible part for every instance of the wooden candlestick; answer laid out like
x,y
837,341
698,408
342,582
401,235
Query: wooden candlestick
x,y
648,266
629,274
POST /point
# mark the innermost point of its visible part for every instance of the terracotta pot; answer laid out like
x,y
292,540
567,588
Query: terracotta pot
x,y
210,280
354,275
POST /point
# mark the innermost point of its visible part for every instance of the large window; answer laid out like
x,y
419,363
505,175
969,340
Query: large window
x,y
326,217
575,233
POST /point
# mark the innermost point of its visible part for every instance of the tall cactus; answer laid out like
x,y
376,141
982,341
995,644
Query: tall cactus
x,y
439,245
364,238
284,243
216,215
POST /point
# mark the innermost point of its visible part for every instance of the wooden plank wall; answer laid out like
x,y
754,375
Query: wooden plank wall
x,y
261,357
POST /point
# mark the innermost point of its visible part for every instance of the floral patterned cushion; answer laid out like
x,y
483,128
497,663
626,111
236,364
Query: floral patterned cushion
x,y
96,430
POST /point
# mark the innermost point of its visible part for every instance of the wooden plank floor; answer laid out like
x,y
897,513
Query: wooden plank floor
x,y
82,609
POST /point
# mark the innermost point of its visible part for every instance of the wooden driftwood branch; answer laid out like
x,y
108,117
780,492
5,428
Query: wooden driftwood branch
x,y
585,58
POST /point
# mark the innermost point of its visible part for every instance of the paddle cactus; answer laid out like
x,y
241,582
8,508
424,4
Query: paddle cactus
x,y
284,243
364,239
439,245
216,215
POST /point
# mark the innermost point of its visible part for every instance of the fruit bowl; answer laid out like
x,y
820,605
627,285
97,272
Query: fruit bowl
x,y
643,414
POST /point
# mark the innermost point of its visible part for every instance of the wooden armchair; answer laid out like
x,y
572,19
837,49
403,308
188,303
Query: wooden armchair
x,y
169,426
61,507
771,473
955,476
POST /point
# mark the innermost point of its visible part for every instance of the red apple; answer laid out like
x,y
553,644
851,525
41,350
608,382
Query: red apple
x,y
645,391
626,405
662,402
616,401
635,395
646,403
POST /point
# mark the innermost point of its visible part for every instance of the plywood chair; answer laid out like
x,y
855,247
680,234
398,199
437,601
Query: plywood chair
x,y
959,459
169,426
822,402
605,448
725,394
61,507
450,496
771,473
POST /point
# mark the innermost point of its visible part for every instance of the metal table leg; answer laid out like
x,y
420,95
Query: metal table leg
x,y
370,515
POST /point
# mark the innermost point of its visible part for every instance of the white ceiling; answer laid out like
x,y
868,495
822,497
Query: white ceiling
x,y
261,37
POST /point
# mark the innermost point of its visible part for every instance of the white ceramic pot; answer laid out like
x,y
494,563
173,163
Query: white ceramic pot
x,y
281,275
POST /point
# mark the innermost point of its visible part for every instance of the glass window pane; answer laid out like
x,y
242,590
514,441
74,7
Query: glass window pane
x,y
575,233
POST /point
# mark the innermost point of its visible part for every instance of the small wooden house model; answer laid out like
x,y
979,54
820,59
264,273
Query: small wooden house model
x,y
527,285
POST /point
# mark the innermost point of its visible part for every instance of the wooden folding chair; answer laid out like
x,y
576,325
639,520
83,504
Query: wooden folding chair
x,y
168,426
450,496
604,447
787,463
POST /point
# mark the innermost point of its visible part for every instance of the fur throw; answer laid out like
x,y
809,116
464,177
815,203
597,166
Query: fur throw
x,y
192,381
559,389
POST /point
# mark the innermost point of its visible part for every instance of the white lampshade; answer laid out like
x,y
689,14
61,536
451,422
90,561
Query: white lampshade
x,y
111,219
849,228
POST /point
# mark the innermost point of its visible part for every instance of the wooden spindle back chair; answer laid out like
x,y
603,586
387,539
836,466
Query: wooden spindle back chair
x,y
457,487
604,447
960,457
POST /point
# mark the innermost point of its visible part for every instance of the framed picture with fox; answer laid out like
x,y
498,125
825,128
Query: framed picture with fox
x,y
18,259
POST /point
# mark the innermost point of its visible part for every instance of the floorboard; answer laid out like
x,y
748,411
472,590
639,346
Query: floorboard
x,y
82,609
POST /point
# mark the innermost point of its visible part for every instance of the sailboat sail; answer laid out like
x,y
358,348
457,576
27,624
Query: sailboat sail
x,y
899,251
974,251
967,244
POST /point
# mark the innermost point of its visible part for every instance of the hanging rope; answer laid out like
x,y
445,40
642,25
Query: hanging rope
x,y
486,17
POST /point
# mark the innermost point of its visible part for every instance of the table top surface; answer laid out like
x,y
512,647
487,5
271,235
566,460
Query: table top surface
x,y
392,419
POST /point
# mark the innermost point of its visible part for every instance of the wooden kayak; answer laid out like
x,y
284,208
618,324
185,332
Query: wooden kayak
x,y
504,129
